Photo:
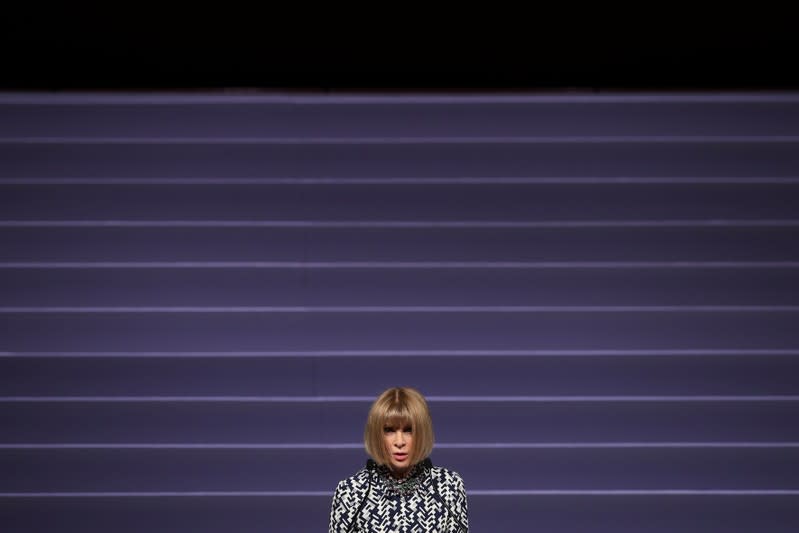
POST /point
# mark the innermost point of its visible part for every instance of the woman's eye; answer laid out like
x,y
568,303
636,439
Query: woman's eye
x,y
408,430
388,430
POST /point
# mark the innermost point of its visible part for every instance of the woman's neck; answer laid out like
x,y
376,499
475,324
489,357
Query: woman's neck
x,y
400,474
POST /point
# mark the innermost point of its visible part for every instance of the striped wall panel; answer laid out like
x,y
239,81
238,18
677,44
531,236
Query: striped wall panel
x,y
200,295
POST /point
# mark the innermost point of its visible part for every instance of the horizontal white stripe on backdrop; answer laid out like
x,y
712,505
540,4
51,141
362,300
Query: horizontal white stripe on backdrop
x,y
370,399
358,446
398,181
422,353
406,264
411,309
570,139
398,223
328,494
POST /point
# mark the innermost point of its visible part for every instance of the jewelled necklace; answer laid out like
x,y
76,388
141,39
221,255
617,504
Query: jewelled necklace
x,y
405,486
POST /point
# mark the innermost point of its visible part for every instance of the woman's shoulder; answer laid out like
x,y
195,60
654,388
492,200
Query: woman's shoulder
x,y
355,481
445,475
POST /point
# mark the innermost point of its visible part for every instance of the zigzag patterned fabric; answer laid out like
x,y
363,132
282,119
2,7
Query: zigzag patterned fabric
x,y
370,501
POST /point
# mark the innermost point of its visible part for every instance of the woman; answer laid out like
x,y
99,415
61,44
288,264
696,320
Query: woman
x,y
399,489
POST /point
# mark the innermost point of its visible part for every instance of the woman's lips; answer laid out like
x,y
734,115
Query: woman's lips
x,y
400,456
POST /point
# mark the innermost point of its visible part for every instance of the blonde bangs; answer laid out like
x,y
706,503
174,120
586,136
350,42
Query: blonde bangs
x,y
397,414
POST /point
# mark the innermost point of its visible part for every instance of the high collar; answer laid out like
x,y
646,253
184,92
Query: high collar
x,y
407,485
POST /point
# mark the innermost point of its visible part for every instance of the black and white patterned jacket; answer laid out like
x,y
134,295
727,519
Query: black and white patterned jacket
x,y
431,500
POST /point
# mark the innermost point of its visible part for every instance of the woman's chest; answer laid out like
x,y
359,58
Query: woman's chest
x,y
404,514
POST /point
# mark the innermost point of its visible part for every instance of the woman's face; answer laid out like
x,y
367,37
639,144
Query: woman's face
x,y
398,440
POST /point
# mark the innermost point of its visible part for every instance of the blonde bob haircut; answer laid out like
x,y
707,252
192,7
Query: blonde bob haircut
x,y
399,406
